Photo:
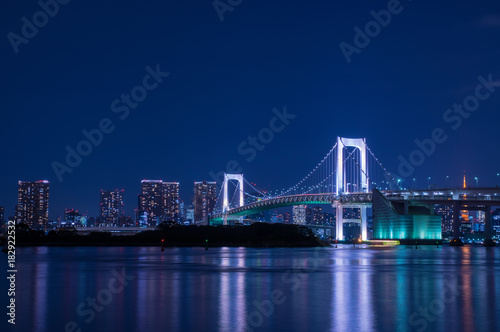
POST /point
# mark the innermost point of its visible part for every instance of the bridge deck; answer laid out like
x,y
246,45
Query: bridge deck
x,y
465,196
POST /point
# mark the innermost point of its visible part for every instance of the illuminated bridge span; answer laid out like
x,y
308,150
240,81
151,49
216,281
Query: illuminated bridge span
x,y
305,199
350,175
479,196
277,202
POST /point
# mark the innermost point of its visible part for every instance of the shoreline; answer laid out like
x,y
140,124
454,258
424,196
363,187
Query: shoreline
x,y
177,245
259,235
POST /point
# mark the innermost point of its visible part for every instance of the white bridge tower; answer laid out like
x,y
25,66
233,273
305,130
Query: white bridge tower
x,y
341,185
225,206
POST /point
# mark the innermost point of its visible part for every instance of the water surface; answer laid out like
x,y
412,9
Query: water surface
x,y
248,289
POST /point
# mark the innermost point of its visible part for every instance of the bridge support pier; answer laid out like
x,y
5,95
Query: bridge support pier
x,y
364,224
488,229
456,226
339,235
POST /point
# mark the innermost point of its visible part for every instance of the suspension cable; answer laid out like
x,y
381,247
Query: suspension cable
x,y
385,170
310,173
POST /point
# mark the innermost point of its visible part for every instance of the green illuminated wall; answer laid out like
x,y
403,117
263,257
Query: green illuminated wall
x,y
388,223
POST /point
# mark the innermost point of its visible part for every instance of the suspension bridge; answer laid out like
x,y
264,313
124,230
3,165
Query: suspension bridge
x,y
351,176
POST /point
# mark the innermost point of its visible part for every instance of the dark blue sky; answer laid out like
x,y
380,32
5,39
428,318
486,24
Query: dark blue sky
x,y
225,79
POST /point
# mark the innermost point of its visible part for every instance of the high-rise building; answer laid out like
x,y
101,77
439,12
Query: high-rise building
x,y
159,200
33,203
205,195
446,213
151,201
172,203
111,206
299,214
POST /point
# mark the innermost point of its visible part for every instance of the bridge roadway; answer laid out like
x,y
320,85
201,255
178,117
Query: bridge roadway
x,y
468,196
461,198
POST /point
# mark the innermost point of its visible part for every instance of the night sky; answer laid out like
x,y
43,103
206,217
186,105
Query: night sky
x,y
226,77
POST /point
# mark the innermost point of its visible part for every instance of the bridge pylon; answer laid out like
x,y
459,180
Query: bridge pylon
x,y
340,183
225,204
339,224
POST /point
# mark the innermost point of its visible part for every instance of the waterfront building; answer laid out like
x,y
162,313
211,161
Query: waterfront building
x,y
172,202
205,196
111,206
159,200
396,221
33,203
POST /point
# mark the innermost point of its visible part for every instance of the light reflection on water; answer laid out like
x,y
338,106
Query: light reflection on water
x,y
222,289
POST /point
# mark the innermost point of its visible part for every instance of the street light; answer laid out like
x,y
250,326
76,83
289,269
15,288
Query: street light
x,y
428,182
414,183
477,180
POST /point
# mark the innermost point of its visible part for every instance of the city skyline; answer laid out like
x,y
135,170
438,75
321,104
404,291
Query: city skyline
x,y
229,84
111,202
131,206
155,201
